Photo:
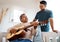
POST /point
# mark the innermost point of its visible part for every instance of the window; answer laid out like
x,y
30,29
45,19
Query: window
x,y
17,14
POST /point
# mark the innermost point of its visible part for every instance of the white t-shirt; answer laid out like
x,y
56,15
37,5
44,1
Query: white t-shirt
x,y
29,32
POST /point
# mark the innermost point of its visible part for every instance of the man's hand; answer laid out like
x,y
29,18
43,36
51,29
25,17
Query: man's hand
x,y
35,23
55,31
13,31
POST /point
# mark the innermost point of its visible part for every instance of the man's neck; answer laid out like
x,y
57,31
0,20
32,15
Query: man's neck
x,y
24,22
42,9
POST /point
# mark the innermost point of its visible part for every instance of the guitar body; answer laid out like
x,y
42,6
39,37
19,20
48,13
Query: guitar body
x,y
13,38
19,34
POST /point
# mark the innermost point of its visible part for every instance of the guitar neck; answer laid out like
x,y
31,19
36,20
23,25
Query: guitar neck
x,y
25,27
31,24
28,26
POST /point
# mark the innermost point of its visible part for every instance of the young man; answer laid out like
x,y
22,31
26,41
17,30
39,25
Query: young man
x,y
44,16
28,32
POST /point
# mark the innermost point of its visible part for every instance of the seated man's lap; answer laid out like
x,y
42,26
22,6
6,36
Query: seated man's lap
x,y
21,40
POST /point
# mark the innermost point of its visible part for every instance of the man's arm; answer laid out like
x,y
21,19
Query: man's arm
x,y
52,25
34,19
33,31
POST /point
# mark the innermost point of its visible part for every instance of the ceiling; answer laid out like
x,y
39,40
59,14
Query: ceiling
x,y
22,3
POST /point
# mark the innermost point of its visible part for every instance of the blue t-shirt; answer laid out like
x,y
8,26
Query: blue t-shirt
x,y
44,15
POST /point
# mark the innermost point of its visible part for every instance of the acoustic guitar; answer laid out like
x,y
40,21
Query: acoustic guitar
x,y
20,33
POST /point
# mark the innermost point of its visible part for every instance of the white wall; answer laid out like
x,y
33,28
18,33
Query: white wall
x,y
30,7
54,5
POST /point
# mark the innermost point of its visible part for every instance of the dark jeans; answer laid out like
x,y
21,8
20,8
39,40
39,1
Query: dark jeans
x,y
21,40
44,28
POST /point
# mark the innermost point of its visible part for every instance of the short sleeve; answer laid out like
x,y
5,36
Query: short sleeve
x,y
50,14
36,17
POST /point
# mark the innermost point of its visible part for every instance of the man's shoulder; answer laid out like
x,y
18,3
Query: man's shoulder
x,y
48,10
17,25
38,12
